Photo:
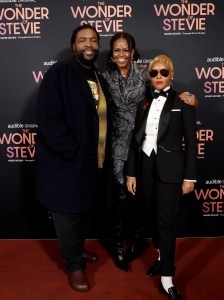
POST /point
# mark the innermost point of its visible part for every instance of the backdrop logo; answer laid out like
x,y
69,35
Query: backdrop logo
x,y
204,136
19,22
20,143
143,62
184,17
107,19
212,198
38,74
212,77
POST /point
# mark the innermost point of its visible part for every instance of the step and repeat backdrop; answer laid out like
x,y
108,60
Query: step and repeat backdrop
x,y
35,34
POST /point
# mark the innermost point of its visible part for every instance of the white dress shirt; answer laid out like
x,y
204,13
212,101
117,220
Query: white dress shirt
x,y
152,124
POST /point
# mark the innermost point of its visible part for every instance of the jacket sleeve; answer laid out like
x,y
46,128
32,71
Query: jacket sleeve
x,y
134,151
53,131
190,141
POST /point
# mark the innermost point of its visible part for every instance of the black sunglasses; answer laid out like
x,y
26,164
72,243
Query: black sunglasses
x,y
163,72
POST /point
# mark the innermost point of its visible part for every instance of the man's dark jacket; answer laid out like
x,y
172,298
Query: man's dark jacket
x,y
67,140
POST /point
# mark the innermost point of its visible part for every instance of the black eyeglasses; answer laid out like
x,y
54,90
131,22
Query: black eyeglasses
x,y
163,72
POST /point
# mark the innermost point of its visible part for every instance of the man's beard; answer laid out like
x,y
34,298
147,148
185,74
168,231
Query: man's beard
x,y
87,62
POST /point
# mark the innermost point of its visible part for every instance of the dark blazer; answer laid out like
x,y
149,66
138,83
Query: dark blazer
x,y
177,121
67,140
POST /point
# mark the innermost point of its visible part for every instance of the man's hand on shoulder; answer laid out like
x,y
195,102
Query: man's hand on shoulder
x,y
189,99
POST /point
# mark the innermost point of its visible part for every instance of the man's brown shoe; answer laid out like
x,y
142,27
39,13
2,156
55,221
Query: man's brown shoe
x,y
78,281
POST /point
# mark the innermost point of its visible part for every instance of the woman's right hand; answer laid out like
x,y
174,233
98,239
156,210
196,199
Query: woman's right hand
x,y
131,185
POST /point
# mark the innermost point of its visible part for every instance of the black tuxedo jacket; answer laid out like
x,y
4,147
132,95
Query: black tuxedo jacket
x,y
174,161
67,140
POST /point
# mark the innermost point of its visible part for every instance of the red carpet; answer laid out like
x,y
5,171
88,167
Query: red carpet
x,y
33,270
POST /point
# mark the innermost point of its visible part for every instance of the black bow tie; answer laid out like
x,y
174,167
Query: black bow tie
x,y
156,94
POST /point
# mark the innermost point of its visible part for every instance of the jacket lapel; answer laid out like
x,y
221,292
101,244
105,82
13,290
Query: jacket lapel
x,y
141,122
163,122
165,115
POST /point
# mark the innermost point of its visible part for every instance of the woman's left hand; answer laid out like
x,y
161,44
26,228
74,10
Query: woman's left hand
x,y
187,187
131,185
189,98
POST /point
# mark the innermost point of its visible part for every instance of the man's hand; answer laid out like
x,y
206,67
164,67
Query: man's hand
x,y
189,98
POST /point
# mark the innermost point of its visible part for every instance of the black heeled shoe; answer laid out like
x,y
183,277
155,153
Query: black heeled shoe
x,y
120,260
154,269
118,248
173,294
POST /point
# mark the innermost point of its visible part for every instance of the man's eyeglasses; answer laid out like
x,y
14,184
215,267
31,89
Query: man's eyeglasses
x,y
163,72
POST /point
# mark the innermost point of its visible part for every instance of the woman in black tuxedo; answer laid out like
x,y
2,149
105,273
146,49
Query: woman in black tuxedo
x,y
160,167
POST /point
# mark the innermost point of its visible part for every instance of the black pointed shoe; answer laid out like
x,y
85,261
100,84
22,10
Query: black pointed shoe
x,y
154,269
120,260
172,294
